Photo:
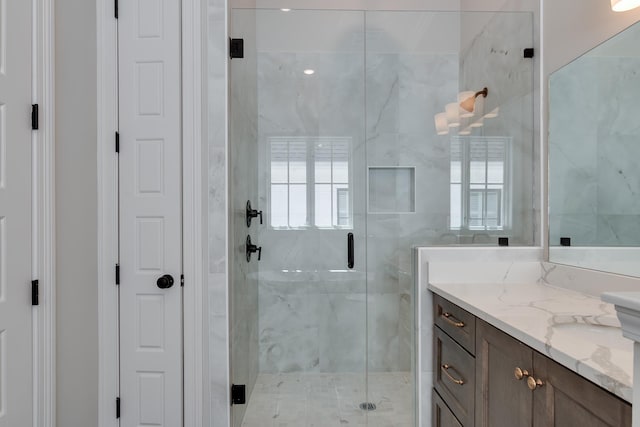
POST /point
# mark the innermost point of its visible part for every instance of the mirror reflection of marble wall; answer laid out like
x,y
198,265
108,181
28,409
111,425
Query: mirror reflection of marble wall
x,y
594,148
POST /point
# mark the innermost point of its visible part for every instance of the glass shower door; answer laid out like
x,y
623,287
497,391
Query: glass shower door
x,y
298,155
334,132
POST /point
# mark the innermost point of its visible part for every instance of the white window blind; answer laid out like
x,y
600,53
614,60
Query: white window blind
x,y
310,182
479,181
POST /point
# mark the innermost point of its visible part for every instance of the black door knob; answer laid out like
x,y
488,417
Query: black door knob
x,y
165,282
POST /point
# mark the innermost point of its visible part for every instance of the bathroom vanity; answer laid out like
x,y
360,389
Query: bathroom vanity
x,y
527,355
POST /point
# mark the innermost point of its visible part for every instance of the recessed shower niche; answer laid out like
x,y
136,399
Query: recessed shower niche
x,y
392,190
352,149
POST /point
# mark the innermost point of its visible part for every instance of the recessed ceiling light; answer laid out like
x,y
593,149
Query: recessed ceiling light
x,y
286,10
309,71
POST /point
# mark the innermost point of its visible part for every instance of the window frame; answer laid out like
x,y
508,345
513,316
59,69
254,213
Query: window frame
x,y
311,142
505,208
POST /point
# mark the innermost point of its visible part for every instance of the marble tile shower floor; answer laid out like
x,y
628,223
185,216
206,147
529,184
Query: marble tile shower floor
x,y
328,400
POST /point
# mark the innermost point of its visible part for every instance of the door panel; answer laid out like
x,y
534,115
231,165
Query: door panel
x,y
15,215
501,399
298,315
568,400
150,213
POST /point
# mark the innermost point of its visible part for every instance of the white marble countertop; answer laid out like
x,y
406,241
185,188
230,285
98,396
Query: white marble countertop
x,y
576,330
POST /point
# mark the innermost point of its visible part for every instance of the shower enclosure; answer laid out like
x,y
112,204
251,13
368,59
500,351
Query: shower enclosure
x,y
336,145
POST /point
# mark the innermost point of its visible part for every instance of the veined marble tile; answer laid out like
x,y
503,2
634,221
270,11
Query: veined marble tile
x,y
592,147
590,281
318,400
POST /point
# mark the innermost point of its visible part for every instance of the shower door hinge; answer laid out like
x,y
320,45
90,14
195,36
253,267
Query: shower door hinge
x,y
117,142
117,407
238,394
528,52
35,292
35,117
117,274
182,280
115,8
236,48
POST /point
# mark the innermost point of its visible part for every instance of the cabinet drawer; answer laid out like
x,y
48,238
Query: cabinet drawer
x,y
458,323
455,376
441,415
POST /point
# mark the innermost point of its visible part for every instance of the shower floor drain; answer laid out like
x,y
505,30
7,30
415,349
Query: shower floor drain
x,y
368,406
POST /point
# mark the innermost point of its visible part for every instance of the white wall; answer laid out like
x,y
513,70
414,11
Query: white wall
x,y
76,214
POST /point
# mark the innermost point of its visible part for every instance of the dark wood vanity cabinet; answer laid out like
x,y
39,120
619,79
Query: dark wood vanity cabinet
x,y
502,382
567,399
501,399
454,344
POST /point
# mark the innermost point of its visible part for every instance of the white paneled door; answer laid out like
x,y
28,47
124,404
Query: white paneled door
x,y
150,241
16,351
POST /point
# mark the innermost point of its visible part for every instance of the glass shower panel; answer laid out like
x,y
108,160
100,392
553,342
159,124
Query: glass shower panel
x,y
333,132
499,150
469,183
297,133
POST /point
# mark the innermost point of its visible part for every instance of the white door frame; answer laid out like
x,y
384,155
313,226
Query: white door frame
x,y
195,163
43,218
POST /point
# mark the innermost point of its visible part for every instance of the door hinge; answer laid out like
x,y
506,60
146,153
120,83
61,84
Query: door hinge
x,y
236,48
238,396
35,292
117,407
117,142
34,117
115,8
528,52
117,274
182,280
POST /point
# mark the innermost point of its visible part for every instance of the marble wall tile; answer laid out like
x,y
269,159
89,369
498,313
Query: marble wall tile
x,y
592,147
622,261
581,228
489,59
218,320
590,281
343,334
307,327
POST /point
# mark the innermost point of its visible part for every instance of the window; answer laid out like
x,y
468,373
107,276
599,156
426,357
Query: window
x,y
479,181
310,179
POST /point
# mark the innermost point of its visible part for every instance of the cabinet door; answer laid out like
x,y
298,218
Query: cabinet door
x,y
441,414
501,399
568,400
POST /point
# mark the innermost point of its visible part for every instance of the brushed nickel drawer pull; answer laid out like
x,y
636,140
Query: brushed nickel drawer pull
x,y
445,368
452,320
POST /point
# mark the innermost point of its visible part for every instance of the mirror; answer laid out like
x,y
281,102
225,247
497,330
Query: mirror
x,y
594,158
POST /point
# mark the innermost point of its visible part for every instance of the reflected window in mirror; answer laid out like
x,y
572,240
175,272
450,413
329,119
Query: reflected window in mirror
x,y
479,183
310,182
